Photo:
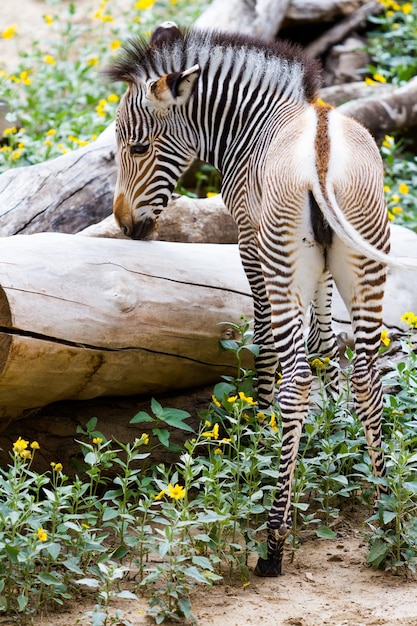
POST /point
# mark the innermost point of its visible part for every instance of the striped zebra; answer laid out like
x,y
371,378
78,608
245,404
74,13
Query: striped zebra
x,y
305,187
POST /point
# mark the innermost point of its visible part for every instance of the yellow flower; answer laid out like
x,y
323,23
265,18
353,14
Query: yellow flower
x,y
247,399
142,5
51,131
218,451
97,440
160,494
216,431
232,399
10,131
115,44
15,155
384,338
26,454
9,32
49,59
85,526
211,194
48,143
403,188
273,423
24,77
101,108
387,188
407,8
176,492
145,439
379,78
34,445
61,147
369,81
215,401
388,141
20,445
57,467
318,364
93,61
113,97
42,534
48,18
409,318
396,210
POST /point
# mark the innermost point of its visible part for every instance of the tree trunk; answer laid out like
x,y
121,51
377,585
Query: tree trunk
x,y
84,317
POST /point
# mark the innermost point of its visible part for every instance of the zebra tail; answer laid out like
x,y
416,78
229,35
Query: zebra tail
x,y
347,232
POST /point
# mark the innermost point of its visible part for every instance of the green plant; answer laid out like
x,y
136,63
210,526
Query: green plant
x,y
57,98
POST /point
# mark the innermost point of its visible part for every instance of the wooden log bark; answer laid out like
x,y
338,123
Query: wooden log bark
x,y
388,113
264,18
83,317
65,194
343,28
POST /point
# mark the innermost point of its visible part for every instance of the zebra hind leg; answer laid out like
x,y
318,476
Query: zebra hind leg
x,y
321,339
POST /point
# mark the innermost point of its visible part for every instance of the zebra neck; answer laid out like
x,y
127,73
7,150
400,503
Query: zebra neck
x,y
240,104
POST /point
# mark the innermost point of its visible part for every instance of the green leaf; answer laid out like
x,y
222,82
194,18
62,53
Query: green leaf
x,y
12,552
194,572
377,553
229,344
127,594
163,436
175,418
53,549
388,516
141,417
22,601
156,408
185,606
119,553
110,513
203,562
89,582
72,566
325,533
49,579
252,347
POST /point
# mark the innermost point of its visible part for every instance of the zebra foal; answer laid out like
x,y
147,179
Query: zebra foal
x,y
305,187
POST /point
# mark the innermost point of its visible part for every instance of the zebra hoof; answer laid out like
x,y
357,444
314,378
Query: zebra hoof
x,y
268,569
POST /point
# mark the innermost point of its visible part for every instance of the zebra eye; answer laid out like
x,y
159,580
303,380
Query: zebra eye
x,y
138,148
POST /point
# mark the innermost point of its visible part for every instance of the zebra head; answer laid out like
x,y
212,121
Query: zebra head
x,y
151,153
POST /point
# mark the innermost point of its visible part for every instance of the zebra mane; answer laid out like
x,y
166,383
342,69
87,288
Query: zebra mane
x,y
140,59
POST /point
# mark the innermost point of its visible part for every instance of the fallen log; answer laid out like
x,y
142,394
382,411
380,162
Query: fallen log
x,y
65,194
84,317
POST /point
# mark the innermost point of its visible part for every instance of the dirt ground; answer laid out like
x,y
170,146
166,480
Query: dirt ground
x,y
327,584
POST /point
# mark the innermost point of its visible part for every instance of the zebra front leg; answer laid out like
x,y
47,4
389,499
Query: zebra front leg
x,y
293,399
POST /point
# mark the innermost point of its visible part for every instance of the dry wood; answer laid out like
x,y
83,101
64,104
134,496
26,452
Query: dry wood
x,y
65,194
261,18
381,115
342,29
84,317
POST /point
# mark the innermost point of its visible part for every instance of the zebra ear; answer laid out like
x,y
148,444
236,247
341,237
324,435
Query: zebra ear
x,y
173,88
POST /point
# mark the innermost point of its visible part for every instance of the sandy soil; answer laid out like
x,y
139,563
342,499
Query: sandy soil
x,y
327,584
